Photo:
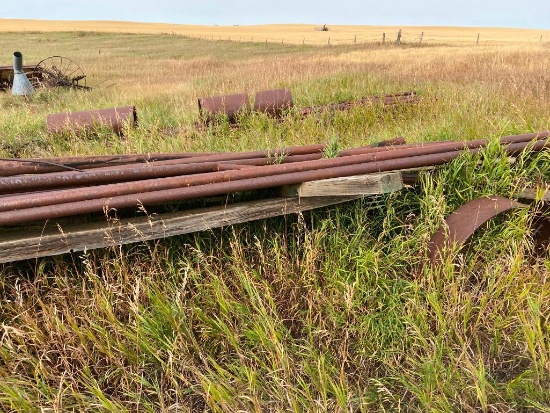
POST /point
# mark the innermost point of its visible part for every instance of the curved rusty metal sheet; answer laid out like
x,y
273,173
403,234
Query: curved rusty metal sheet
x,y
273,102
114,118
462,224
229,105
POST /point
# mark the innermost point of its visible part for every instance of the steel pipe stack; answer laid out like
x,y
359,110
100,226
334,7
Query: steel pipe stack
x,y
50,188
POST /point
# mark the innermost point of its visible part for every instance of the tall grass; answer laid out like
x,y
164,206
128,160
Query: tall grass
x,y
332,310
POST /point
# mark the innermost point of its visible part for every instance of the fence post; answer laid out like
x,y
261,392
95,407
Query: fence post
x,y
383,37
477,41
421,37
355,40
398,41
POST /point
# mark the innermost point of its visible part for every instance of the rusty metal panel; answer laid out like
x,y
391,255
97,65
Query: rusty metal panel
x,y
273,102
114,118
229,105
461,224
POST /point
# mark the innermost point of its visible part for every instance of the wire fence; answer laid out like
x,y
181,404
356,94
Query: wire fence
x,y
395,38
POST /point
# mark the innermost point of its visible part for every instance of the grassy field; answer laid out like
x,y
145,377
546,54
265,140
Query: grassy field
x,y
292,33
316,312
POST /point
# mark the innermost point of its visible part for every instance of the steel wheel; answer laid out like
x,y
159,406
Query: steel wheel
x,y
59,71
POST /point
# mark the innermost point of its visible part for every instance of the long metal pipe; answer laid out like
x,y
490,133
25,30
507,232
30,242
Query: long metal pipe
x,y
137,172
20,166
200,173
117,190
8,167
115,173
220,188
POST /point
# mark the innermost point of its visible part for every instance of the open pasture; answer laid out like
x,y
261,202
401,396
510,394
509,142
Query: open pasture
x,y
323,311
310,34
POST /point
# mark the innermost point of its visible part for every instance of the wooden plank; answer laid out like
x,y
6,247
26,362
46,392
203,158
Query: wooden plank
x,y
62,239
369,184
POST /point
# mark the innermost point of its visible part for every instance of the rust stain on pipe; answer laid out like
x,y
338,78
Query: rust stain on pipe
x,y
114,118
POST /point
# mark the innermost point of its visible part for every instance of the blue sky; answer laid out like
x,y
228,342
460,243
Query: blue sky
x,y
493,13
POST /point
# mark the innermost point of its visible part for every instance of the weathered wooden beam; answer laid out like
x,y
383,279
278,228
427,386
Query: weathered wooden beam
x,y
370,184
60,238
70,238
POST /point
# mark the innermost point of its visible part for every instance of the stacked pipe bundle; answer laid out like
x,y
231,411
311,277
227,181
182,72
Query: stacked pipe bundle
x,y
49,188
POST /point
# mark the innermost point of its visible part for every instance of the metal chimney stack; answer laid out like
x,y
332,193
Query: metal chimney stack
x,y
21,84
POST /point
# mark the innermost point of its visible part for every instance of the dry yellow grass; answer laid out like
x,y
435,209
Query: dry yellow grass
x,y
290,33
316,313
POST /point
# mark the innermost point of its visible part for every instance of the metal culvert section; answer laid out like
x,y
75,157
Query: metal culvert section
x,y
228,105
114,118
273,102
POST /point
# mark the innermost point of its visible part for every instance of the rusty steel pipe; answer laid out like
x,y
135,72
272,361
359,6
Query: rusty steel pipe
x,y
83,161
228,105
123,173
273,102
219,188
32,199
21,166
397,141
99,176
118,190
174,181
479,142
114,118
232,166
6,166
56,211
